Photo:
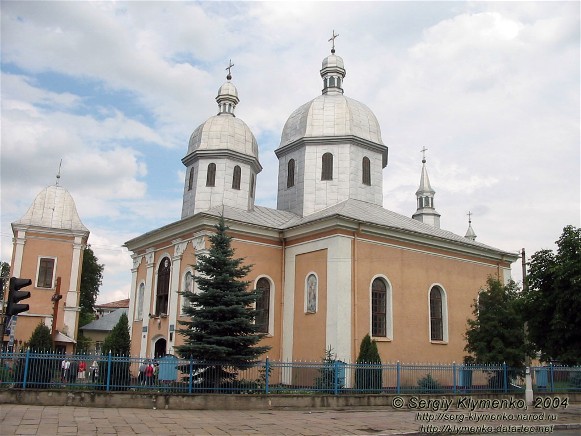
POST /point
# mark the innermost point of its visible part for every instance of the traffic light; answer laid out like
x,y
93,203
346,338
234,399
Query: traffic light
x,y
15,295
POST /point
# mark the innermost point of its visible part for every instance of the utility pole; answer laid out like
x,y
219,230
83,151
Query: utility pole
x,y
528,378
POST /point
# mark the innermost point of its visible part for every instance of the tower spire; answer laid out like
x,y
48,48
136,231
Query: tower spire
x,y
470,234
426,212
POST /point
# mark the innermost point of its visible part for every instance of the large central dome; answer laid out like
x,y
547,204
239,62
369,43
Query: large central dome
x,y
331,114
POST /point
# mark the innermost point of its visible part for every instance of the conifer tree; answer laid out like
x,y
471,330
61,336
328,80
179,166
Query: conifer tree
x,y
118,343
221,328
368,377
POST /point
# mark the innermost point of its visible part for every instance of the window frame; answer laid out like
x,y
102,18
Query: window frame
x,y
183,300
162,289
264,326
290,176
44,274
211,175
327,166
366,171
236,177
438,322
388,308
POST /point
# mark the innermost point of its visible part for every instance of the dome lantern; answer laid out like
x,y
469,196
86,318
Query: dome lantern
x,y
227,95
333,71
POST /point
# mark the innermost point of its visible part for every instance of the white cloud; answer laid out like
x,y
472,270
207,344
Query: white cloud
x,y
116,88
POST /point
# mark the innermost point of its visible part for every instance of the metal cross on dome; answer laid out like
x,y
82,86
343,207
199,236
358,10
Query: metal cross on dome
x,y
469,217
229,67
332,39
423,151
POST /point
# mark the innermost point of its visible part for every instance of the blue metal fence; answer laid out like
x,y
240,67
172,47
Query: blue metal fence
x,y
30,370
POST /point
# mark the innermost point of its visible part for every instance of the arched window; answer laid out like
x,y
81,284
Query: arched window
x,y
327,167
366,171
436,314
211,176
311,291
290,176
187,287
251,185
139,308
162,295
263,305
378,308
236,177
191,179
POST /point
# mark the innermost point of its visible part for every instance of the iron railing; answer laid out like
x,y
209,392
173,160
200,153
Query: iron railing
x,y
169,374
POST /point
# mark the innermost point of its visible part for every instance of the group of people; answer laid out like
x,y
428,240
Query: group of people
x,y
148,372
72,371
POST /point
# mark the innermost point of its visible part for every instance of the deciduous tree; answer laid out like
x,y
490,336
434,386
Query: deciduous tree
x,y
553,300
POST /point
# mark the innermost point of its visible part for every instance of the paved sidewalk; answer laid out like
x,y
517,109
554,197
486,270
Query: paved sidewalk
x,y
53,420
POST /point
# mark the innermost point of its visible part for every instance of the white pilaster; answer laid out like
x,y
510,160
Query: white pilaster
x,y
18,252
133,292
71,312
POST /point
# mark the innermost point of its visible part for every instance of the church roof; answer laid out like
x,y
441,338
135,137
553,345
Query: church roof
x,y
354,210
106,322
53,208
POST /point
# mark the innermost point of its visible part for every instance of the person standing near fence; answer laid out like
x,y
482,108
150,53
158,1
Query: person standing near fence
x,y
141,377
149,374
82,369
94,369
65,367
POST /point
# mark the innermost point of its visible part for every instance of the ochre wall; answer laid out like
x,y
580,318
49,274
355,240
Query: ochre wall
x,y
309,338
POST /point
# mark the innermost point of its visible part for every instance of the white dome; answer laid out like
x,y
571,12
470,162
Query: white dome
x,y
224,132
53,208
331,115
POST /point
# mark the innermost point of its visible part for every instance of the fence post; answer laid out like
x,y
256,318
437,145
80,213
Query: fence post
x,y
266,374
109,372
398,377
191,374
454,376
335,377
505,373
551,372
26,360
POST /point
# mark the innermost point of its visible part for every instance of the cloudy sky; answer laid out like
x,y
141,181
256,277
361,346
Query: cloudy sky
x,y
115,89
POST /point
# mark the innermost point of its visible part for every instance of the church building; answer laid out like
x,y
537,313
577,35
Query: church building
x,y
331,262
48,246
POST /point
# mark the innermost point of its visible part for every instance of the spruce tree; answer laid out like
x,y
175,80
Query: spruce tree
x,y
368,377
221,331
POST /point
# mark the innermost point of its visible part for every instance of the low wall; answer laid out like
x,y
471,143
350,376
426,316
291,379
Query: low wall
x,y
230,401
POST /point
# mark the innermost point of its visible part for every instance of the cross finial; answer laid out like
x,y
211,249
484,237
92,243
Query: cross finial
x,y
469,217
58,175
423,151
332,39
230,65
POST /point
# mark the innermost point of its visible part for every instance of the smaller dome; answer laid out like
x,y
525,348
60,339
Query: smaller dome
x,y
222,132
333,62
53,208
227,92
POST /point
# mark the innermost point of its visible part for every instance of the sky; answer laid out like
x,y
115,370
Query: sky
x,y
115,89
